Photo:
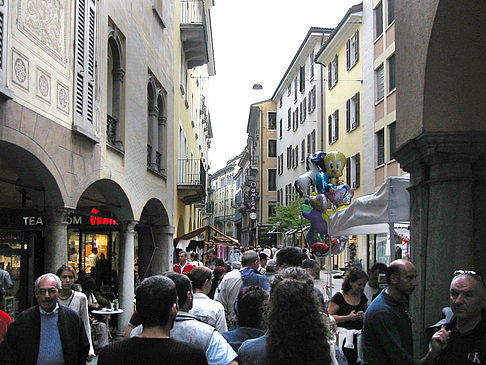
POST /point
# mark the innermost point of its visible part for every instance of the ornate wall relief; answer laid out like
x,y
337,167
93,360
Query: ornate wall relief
x,y
43,85
44,22
62,98
20,69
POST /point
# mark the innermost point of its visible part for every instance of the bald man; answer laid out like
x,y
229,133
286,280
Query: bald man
x,y
387,329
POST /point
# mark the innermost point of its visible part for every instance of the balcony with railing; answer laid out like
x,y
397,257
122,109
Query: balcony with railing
x,y
191,180
194,33
154,162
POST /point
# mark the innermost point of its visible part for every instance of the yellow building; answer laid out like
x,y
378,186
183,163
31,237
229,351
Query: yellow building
x,y
193,65
341,55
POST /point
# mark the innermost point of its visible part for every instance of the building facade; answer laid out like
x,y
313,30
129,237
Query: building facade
x,y
300,102
441,139
259,174
223,194
341,54
87,140
193,65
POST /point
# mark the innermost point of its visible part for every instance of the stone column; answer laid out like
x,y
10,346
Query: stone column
x,y
163,250
125,276
55,244
444,168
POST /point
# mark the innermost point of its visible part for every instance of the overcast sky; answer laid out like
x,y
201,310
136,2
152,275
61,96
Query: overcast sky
x,y
254,42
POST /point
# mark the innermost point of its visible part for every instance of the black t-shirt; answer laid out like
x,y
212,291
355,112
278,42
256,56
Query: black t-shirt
x,y
345,308
466,348
148,351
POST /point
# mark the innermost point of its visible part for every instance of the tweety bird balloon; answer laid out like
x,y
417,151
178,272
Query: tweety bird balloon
x,y
335,162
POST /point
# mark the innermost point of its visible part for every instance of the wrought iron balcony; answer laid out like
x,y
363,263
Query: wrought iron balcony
x,y
111,126
158,161
194,32
191,180
149,155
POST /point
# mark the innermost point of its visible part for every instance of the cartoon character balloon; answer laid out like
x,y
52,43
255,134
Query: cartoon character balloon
x,y
315,164
318,225
334,163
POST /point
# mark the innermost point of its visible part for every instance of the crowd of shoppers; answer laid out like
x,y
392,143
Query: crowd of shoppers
x,y
270,316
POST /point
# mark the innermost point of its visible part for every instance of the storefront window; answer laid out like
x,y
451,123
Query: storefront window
x,y
377,249
381,244
96,255
12,248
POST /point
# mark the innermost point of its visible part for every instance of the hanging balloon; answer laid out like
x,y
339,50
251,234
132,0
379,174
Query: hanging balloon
x,y
337,244
335,162
320,248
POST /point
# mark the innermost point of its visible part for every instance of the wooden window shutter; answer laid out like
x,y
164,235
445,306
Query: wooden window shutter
x,y
329,75
84,66
348,54
356,46
356,110
336,70
357,170
329,128
348,171
3,38
348,115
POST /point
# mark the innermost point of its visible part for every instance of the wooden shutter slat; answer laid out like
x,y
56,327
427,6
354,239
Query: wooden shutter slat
x,y
348,171
348,115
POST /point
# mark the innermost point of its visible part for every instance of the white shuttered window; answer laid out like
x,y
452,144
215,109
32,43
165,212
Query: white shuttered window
x,y
84,67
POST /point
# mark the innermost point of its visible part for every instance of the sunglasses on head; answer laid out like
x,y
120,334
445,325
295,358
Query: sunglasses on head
x,y
476,274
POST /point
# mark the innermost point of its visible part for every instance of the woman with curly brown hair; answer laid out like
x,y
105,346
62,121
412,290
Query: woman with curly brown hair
x,y
296,330
348,307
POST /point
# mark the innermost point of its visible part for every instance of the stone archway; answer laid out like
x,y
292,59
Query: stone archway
x,y
441,130
32,202
155,237
110,217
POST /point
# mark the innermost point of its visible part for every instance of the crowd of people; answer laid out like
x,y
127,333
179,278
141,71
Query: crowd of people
x,y
262,309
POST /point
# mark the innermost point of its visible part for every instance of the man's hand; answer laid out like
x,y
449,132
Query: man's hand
x,y
440,340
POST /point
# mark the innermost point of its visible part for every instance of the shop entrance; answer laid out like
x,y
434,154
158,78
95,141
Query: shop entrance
x,y
94,254
19,256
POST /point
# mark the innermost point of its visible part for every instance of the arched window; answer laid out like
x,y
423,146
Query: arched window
x,y
156,127
115,89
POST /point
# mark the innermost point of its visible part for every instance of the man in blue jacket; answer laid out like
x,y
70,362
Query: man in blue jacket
x,y
47,334
387,329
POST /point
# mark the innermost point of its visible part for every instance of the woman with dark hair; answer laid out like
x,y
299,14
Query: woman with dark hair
x,y
218,274
348,307
75,300
95,299
206,309
296,332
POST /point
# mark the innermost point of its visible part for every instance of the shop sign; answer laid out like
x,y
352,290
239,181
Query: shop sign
x,y
253,197
37,221
94,220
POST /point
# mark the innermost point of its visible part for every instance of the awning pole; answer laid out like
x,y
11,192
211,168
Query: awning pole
x,y
392,241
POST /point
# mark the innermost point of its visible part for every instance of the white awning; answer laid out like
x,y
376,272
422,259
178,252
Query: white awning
x,y
372,213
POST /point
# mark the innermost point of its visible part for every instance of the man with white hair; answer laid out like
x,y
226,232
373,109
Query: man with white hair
x,y
46,334
462,336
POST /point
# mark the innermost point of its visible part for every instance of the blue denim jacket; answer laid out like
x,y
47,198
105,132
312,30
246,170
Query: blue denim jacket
x,y
253,352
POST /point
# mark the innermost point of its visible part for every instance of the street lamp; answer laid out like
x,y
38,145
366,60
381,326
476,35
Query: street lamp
x,y
257,86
